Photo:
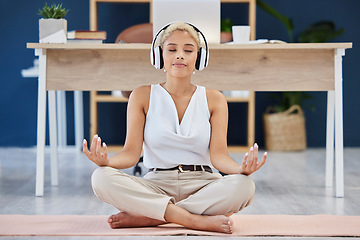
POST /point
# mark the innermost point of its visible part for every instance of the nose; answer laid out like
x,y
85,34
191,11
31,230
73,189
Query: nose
x,y
180,55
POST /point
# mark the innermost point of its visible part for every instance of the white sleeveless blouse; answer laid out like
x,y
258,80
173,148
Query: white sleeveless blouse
x,y
168,143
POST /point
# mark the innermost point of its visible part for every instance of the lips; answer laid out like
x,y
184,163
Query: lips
x,y
180,65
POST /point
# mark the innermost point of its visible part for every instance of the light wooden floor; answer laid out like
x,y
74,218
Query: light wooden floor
x,y
289,183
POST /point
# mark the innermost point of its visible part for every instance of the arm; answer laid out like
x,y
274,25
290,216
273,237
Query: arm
x,y
130,154
218,142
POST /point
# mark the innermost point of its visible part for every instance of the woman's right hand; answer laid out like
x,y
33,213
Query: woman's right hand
x,y
95,154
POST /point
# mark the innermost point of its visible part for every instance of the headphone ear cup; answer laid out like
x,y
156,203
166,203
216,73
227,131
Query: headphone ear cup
x,y
197,63
158,61
161,59
152,57
201,59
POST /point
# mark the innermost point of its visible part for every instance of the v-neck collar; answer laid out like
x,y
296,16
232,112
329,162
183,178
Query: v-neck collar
x,y
178,121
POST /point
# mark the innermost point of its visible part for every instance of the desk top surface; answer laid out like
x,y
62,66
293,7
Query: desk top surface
x,y
141,46
260,67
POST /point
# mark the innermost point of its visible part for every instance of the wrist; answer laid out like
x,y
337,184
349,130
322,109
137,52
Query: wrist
x,y
108,162
241,171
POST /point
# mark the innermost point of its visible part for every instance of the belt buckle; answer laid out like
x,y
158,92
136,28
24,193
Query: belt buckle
x,y
182,170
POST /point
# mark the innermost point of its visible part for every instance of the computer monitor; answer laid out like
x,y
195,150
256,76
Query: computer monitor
x,y
204,14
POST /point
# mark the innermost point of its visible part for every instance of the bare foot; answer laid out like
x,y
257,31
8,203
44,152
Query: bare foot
x,y
126,220
218,223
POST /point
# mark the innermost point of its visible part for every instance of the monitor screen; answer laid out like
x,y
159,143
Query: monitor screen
x,y
204,14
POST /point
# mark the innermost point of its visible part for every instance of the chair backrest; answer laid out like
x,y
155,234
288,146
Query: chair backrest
x,y
140,33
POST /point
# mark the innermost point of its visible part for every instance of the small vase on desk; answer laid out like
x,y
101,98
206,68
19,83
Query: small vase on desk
x,y
52,30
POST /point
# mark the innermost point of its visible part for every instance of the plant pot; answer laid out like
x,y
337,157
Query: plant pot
x,y
225,37
285,131
52,30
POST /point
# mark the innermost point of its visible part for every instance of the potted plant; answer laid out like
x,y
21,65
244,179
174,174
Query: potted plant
x,y
226,30
284,123
53,26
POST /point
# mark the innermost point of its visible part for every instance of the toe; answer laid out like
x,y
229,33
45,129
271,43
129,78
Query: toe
x,y
230,224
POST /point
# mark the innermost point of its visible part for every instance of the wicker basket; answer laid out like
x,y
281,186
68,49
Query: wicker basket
x,y
285,131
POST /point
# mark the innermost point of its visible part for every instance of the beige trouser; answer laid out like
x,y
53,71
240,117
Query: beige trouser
x,y
198,192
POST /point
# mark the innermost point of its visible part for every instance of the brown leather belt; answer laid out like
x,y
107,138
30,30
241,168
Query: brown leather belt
x,y
185,168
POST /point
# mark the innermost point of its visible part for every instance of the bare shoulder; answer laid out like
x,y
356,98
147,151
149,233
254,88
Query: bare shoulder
x,y
140,91
140,96
214,94
215,99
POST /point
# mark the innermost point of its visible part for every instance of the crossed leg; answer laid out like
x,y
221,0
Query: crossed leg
x,y
118,189
174,214
128,220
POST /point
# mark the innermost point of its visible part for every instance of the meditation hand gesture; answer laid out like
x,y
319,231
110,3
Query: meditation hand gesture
x,y
95,154
250,162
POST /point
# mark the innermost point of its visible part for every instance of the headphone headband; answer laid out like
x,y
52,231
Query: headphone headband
x,y
156,52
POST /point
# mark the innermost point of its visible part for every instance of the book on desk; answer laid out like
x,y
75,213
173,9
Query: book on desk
x,y
96,41
85,36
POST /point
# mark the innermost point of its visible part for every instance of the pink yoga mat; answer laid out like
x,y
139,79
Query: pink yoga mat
x,y
244,225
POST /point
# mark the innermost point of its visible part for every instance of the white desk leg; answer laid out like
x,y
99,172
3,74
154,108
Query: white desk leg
x,y
339,139
329,171
79,119
53,138
41,124
61,118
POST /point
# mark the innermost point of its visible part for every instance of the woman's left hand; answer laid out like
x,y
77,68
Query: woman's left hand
x,y
250,162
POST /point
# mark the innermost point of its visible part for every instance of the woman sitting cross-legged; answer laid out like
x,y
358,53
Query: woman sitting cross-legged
x,y
182,129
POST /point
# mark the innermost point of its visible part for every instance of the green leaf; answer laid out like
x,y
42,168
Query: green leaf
x,y
226,25
54,11
320,32
287,99
282,18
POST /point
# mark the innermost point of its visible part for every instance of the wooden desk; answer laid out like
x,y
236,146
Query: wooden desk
x,y
262,67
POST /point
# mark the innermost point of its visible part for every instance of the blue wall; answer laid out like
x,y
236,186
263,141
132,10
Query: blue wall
x,y
18,96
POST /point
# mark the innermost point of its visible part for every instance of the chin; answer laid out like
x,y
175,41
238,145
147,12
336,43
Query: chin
x,y
180,73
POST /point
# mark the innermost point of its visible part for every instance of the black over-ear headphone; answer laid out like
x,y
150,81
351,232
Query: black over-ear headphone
x,y
156,52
